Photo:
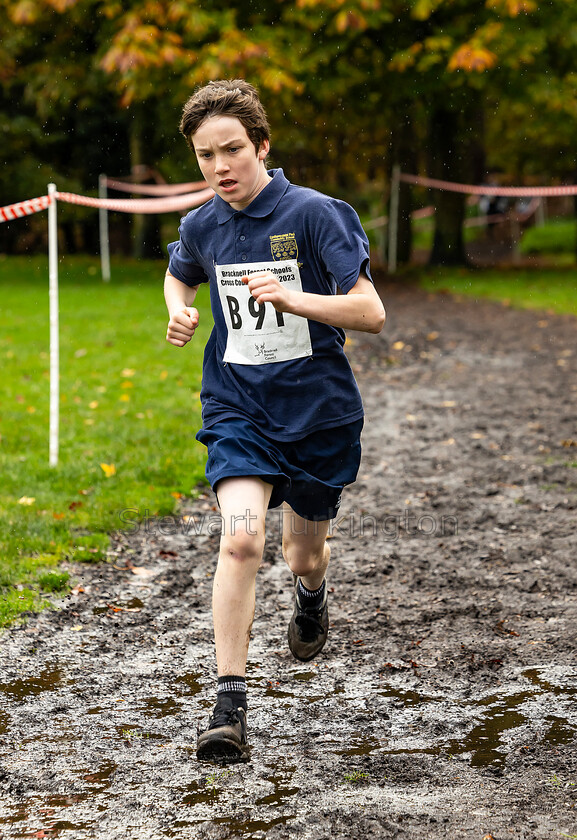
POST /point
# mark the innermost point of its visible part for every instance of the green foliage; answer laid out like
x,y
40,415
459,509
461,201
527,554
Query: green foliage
x,y
129,410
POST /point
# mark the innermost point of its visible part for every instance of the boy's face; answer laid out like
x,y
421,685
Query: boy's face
x,y
229,161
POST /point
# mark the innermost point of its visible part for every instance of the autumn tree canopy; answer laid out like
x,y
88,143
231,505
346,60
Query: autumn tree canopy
x,y
451,88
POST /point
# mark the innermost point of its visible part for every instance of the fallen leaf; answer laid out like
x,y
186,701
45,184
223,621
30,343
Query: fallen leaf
x,y
142,572
74,505
124,398
432,336
58,515
398,345
128,372
26,500
93,404
108,469
569,442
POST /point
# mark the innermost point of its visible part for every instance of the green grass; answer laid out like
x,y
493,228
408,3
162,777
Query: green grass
x,y
551,290
128,401
555,237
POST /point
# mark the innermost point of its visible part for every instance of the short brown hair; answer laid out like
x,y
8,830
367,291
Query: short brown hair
x,y
230,98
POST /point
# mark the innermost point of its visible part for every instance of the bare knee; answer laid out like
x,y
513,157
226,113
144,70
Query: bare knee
x,y
303,560
243,545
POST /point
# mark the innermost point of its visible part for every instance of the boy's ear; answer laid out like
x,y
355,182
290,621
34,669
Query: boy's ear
x,y
264,149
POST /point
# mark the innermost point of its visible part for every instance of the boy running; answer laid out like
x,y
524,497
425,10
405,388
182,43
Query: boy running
x,y
281,412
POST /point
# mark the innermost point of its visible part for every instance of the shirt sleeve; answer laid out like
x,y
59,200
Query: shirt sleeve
x,y
183,263
342,244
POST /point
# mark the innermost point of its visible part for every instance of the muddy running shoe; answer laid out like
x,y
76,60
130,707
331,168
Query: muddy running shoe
x,y
308,628
224,739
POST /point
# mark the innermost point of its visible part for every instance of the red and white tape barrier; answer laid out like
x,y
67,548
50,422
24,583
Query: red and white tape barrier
x,y
154,189
488,189
24,208
140,205
167,204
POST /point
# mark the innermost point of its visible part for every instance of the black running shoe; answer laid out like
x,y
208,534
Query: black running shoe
x,y
224,739
308,628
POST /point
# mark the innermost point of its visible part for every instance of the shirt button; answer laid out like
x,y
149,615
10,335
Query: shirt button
x,y
242,237
243,257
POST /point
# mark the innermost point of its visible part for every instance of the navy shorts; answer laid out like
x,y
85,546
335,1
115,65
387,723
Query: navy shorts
x,y
309,474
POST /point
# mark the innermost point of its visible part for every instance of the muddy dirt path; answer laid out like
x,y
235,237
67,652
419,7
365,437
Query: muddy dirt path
x,y
444,703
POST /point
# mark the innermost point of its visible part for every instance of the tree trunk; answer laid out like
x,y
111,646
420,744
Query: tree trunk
x,y
146,241
403,153
446,163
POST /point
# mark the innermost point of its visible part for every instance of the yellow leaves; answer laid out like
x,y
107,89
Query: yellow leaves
x,y
423,9
348,19
513,8
109,470
25,13
128,372
472,59
26,500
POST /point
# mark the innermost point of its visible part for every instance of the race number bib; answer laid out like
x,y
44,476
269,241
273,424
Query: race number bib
x,y
257,333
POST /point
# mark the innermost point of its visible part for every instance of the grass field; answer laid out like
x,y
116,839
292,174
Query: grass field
x,y
129,412
553,290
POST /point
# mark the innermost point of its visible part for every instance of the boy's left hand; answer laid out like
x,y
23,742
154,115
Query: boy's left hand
x,y
264,287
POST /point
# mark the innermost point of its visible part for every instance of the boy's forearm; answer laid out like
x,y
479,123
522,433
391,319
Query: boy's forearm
x,y
177,294
358,310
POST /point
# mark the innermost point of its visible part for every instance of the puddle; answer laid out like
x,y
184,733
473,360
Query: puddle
x,y
361,745
281,791
4,723
560,732
504,713
534,676
245,829
484,739
158,708
132,605
407,698
102,778
189,684
305,676
48,680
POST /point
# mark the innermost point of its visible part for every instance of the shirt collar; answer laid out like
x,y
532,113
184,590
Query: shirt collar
x,y
262,205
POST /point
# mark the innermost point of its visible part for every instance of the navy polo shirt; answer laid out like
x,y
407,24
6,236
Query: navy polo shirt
x,y
286,399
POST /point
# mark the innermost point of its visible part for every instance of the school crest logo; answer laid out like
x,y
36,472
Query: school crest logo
x,y
284,247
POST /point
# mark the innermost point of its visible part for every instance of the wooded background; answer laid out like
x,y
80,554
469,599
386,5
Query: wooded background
x,y
464,90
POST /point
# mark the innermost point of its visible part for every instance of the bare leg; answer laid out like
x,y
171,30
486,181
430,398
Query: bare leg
x,y
243,505
305,548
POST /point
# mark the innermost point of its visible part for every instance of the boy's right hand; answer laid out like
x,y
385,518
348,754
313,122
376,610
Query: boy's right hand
x,y
182,325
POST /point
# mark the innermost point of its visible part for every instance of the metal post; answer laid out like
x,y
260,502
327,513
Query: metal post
x,y
104,238
394,217
54,330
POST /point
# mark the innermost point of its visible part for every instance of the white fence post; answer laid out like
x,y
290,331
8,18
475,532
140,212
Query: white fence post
x,y
104,237
54,330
